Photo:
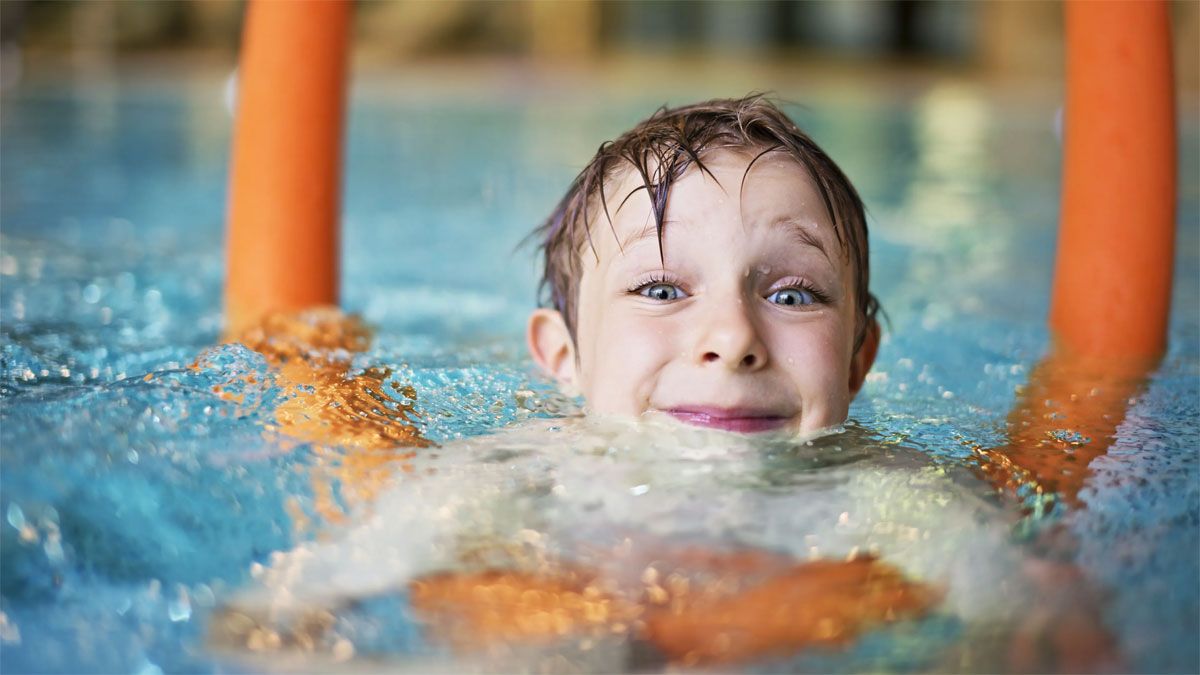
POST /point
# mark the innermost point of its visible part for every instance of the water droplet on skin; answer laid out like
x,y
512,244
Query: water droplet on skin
x,y
639,490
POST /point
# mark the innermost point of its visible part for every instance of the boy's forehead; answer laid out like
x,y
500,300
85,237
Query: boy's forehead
x,y
769,190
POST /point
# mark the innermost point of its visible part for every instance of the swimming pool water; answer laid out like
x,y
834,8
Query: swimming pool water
x,y
136,501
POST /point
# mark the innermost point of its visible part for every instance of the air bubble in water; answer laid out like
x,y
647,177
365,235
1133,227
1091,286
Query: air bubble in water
x,y
16,517
180,609
149,668
53,547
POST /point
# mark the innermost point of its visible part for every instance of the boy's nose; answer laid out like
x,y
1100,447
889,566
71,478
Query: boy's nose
x,y
732,339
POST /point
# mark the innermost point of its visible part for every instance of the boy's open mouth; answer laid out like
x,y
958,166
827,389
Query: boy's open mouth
x,y
744,420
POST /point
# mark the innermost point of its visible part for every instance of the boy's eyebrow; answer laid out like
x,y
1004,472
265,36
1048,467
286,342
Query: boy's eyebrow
x,y
647,232
799,228
802,231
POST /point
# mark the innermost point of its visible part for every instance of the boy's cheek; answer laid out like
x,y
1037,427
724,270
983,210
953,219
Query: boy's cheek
x,y
819,366
617,370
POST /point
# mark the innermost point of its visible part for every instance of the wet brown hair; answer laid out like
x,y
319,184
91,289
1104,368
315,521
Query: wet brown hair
x,y
661,149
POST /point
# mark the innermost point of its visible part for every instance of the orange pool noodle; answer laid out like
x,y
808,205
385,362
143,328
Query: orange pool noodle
x,y
1112,284
286,169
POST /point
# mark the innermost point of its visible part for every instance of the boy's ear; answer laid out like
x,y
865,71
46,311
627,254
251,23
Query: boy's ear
x,y
860,363
552,348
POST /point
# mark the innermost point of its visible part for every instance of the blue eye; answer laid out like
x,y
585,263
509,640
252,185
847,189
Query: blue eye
x,y
792,297
662,292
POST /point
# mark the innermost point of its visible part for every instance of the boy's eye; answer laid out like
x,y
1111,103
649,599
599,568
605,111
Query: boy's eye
x,y
792,297
662,292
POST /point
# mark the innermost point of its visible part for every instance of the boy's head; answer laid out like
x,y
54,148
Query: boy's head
x,y
711,265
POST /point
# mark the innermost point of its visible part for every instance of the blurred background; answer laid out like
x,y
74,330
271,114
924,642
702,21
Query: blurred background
x,y
993,39
468,118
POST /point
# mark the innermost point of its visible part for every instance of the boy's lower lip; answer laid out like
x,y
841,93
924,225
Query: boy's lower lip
x,y
728,420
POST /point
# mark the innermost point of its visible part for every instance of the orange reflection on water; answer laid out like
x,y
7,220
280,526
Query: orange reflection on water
x,y
1065,417
472,610
694,606
361,433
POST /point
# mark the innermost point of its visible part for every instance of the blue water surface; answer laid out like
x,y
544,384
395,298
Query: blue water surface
x,y
135,498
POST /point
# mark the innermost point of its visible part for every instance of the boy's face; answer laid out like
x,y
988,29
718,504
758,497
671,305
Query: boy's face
x,y
747,321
